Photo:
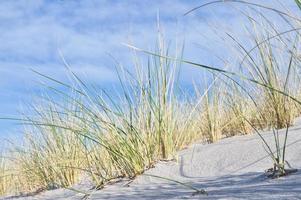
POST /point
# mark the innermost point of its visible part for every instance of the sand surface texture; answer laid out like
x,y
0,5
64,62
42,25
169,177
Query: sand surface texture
x,y
229,169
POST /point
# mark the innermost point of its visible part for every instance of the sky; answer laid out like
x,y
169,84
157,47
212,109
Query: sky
x,y
35,34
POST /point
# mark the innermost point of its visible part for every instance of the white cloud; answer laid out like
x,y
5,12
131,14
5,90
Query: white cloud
x,y
32,31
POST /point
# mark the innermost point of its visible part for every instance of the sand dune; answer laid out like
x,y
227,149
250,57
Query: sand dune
x,y
229,169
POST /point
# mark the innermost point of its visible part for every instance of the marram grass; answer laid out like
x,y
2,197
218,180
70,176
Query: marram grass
x,y
92,133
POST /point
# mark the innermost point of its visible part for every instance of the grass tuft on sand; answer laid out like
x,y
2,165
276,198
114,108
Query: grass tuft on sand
x,y
110,135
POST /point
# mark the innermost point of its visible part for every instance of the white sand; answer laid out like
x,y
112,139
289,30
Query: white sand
x,y
230,169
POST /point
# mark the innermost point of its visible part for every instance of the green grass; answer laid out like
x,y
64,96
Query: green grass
x,y
104,135
274,80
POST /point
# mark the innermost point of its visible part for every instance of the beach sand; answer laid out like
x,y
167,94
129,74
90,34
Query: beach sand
x,y
232,168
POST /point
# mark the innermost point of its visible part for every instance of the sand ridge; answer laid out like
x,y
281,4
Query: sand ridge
x,y
229,169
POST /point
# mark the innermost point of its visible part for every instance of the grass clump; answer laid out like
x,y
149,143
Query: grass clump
x,y
268,76
107,136
103,137
51,157
5,177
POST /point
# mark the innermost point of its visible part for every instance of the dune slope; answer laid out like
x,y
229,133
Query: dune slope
x,y
229,169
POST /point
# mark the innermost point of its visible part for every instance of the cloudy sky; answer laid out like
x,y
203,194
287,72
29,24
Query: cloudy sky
x,y
33,32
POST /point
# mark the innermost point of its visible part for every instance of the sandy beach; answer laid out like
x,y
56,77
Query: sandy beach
x,y
232,168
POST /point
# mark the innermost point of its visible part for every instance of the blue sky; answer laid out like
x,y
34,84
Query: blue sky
x,y
32,32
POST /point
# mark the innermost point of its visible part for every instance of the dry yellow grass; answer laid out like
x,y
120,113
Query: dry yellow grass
x,y
90,132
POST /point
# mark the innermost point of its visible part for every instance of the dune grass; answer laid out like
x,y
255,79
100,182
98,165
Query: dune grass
x,y
270,71
105,136
5,178
50,157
